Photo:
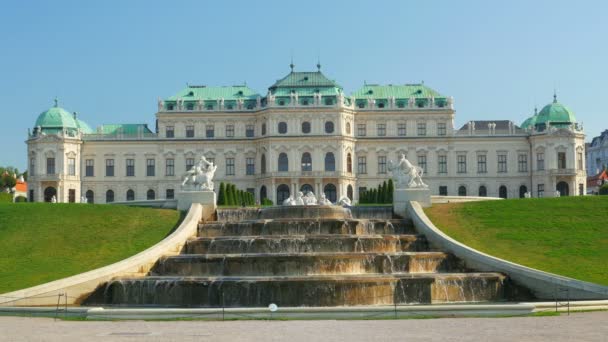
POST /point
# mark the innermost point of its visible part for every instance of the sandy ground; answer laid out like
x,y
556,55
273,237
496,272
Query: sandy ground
x,y
590,326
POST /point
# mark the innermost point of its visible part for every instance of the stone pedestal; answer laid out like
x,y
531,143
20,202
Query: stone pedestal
x,y
185,198
402,196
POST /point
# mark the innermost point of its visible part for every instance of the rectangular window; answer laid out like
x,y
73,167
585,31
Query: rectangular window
x,y
540,161
31,199
249,131
579,160
443,190
422,163
150,167
381,129
421,129
230,131
170,194
170,132
170,167
190,131
109,167
229,166
561,160
362,165
522,163
32,170
441,128
130,167
250,166
461,163
381,164
502,163
442,164
89,168
50,166
401,129
209,131
72,166
189,163
482,166
361,130
541,190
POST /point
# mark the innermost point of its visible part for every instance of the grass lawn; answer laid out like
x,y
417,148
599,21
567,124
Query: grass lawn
x,y
566,236
41,242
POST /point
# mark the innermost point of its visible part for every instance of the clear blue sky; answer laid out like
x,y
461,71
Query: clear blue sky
x,y
111,60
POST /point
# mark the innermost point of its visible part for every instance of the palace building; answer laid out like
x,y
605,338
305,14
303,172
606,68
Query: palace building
x,y
305,134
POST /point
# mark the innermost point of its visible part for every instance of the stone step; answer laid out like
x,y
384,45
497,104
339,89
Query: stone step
x,y
307,244
301,291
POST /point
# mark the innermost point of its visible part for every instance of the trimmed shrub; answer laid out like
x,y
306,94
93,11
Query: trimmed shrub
x,y
604,189
5,197
20,199
221,196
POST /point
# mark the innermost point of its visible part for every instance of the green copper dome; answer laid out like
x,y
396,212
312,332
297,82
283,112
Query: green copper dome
x,y
56,118
555,113
530,122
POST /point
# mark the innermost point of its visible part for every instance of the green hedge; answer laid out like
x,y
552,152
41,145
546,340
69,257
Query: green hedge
x,y
604,189
6,197
230,195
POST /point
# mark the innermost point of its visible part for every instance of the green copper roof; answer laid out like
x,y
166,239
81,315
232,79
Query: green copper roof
x,y
56,117
194,93
555,113
529,122
314,79
397,91
126,129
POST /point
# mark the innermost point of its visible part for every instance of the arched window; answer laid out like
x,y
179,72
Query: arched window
x,y
49,193
349,192
502,191
306,162
348,128
263,193
522,191
283,162
282,127
330,162
263,163
330,192
329,127
109,196
306,188
263,129
349,163
90,196
305,127
282,193
130,195
462,190
483,192
150,195
563,188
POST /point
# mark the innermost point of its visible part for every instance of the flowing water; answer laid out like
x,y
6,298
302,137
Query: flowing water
x,y
304,256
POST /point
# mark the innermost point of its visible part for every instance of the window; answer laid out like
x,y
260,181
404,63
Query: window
x,y
349,163
170,194
381,164
349,192
89,168
130,195
249,131
422,163
381,129
150,195
461,163
348,128
283,162
189,163
32,169
72,195
210,131
90,196
579,160
561,160
31,196
329,101
170,106
109,167
150,167
540,161
522,163
361,130
330,192
362,165
263,164
109,196
229,166
482,165
522,191
502,191
282,127
462,190
421,129
282,193
329,127
305,127
443,190
190,106
50,166
401,129
229,131
502,163
581,189
540,190
72,166
306,188
190,131
442,164
306,162
441,128
330,162
249,166
361,104
263,129
170,167
130,167
263,193
170,132
483,192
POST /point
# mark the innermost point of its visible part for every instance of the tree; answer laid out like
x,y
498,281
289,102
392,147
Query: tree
x,y
390,189
229,200
221,196
384,198
604,189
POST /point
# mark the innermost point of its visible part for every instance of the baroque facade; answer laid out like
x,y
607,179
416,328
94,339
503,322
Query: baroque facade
x,y
305,134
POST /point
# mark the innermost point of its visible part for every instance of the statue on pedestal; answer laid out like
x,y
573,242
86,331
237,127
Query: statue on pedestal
x,y
200,176
406,175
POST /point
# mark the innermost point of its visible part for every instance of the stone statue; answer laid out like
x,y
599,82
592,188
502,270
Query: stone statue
x,y
323,200
310,198
83,199
345,201
161,105
289,201
53,199
299,198
406,175
200,176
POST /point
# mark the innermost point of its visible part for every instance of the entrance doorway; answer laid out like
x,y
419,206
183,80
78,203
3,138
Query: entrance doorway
x,y
49,193
563,189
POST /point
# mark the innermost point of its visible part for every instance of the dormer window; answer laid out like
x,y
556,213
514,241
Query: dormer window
x,y
361,104
240,93
190,106
329,102
304,102
229,107
170,107
281,103
400,104
380,105
191,93
250,106
306,78
209,107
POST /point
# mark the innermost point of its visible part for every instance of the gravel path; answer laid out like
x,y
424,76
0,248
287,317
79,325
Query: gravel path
x,y
590,326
